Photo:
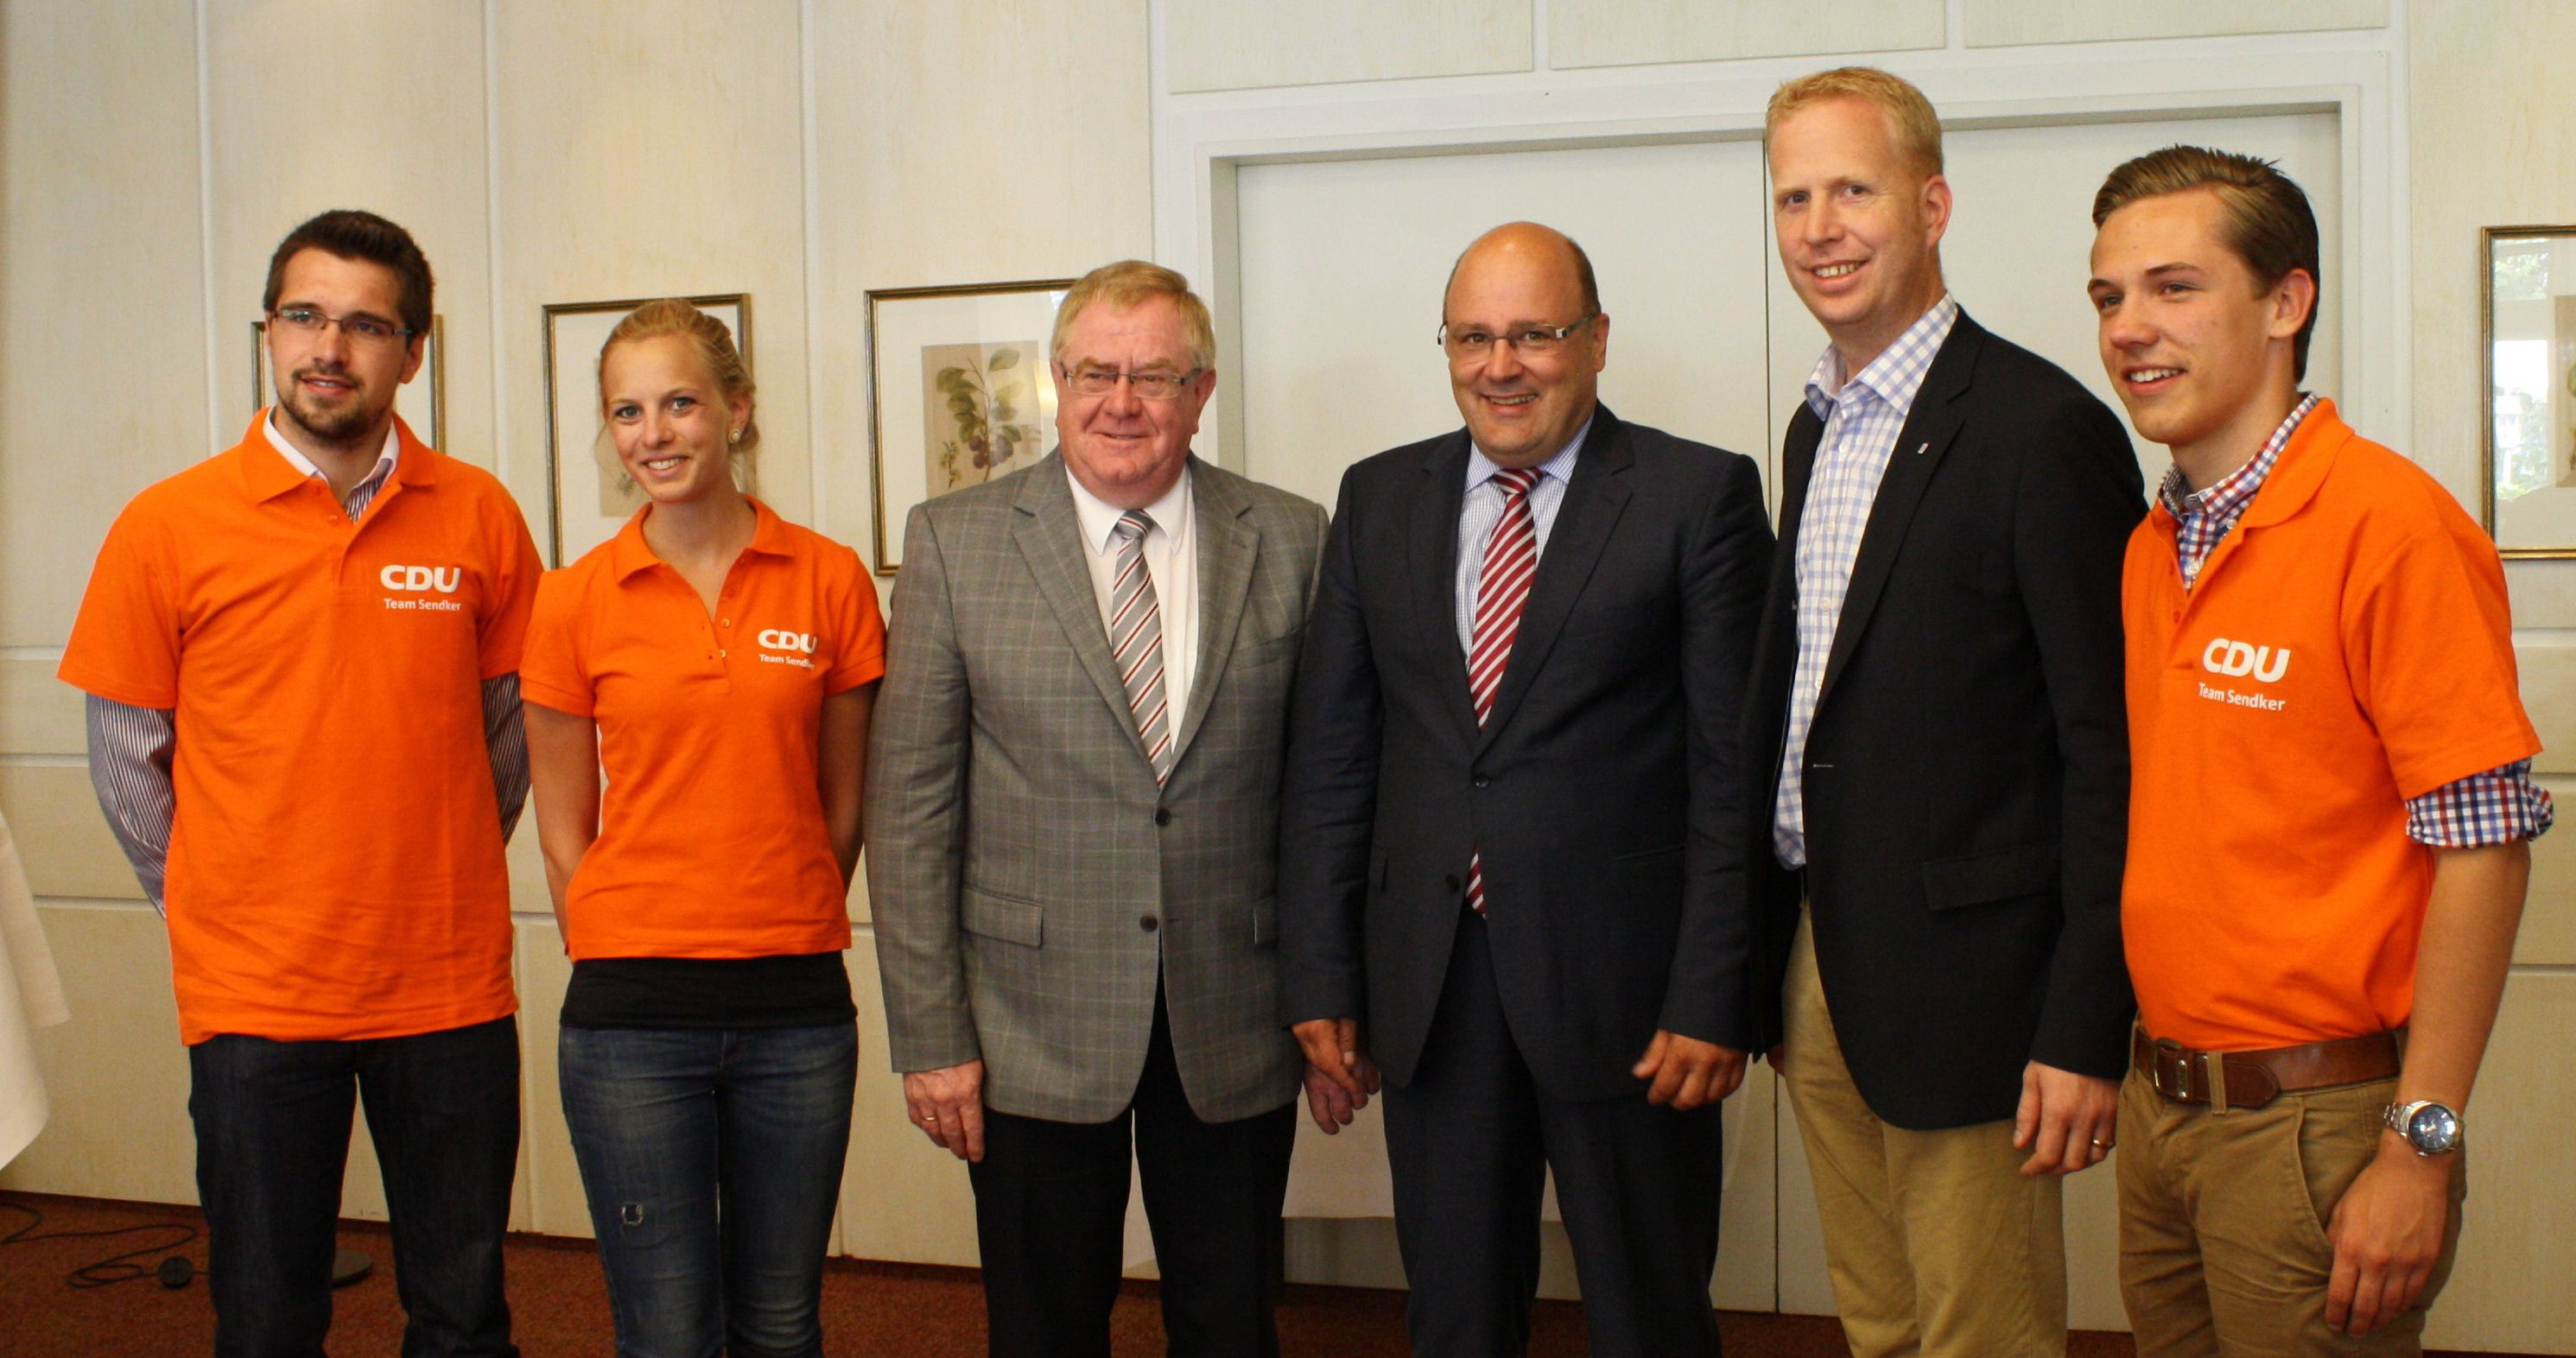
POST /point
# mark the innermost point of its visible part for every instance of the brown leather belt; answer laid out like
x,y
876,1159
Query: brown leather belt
x,y
2225,1080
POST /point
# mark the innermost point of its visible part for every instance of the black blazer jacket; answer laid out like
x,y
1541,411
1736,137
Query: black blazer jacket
x,y
1605,789
1967,773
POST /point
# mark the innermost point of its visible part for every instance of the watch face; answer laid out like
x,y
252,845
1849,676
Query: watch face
x,y
2433,1128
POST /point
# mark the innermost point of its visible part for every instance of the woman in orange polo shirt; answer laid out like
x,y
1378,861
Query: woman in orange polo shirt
x,y
718,662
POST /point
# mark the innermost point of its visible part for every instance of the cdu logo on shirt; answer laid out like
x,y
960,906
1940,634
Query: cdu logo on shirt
x,y
421,579
2237,658
797,646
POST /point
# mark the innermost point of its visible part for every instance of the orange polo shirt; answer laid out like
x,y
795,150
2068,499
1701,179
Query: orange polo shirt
x,y
2347,647
335,860
711,839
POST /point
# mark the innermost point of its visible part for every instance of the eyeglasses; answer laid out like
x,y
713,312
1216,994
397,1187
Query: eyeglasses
x,y
1090,381
1528,341
310,323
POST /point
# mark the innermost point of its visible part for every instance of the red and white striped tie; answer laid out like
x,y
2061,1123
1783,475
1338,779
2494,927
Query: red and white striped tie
x,y
1502,591
1136,641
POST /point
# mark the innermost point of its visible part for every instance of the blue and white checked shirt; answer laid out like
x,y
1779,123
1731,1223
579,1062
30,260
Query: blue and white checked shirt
x,y
1483,508
2495,807
1863,415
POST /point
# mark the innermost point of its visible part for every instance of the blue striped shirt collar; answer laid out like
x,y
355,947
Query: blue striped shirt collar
x,y
1481,468
1894,376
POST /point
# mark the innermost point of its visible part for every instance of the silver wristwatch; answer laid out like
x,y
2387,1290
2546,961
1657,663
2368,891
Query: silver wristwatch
x,y
2431,1127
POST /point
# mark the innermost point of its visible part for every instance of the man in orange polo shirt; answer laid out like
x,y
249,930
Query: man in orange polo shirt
x,y
301,658
2331,802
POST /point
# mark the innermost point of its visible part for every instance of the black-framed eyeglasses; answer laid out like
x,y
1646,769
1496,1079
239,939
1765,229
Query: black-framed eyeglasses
x,y
309,322
1091,381
1472,342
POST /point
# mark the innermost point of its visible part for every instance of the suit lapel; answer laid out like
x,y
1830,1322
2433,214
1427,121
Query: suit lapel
x,y
1593,502
1930,427
1227,549
1431,550
1049,537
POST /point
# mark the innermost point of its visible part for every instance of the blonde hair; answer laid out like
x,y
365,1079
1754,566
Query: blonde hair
x,y
2267,220
1910,119
1131,283
673,318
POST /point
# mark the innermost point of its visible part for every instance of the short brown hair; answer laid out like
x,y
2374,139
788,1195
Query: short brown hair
x,y
1131,283
672,318
1910,119
352,234
2268,222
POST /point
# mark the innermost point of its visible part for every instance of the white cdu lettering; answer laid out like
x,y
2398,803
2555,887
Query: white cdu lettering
x,y
2235,658
802,642
444,579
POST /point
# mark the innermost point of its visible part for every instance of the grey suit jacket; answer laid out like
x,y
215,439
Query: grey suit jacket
x,y
1029,880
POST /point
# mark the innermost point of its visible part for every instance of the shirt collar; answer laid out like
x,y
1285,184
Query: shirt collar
x,y
1098,517
295,456
1896,374
1481,468
629,553
2229,494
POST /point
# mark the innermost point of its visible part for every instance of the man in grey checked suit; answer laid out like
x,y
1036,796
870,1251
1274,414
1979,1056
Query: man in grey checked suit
x,y
1072,809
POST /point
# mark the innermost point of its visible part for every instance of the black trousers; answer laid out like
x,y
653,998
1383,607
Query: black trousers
x,y
1051,1212
1470,1141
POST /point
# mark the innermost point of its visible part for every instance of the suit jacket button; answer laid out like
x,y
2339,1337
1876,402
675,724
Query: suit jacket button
x,y
1149,924
1162,815
1450,882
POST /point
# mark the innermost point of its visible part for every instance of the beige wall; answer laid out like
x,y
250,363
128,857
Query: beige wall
x,y
151,150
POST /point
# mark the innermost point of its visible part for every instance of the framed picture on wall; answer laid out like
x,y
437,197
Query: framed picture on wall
x,y
422,402
2529,355
588,496
957,392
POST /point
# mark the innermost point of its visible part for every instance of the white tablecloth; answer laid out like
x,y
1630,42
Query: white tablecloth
x,y
31,997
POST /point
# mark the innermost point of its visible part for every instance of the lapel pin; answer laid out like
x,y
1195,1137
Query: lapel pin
x,y
1921,448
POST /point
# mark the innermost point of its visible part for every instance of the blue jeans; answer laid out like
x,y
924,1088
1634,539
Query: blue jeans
x,y
712,1160
272,1123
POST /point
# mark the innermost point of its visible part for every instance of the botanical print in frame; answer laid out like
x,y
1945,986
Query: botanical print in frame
x,y
2529,355
959,392
589,497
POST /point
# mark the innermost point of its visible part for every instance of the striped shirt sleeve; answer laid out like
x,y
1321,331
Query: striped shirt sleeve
x,y
2498,806
129,768
506,737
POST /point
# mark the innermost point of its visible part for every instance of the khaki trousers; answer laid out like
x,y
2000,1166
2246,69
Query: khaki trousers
x,y
1937,1245
2223,1247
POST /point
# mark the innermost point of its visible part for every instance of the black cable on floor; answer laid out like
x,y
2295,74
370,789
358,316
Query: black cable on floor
x,y
117,1268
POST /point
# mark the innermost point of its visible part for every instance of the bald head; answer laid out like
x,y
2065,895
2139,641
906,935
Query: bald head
x,y
1544,246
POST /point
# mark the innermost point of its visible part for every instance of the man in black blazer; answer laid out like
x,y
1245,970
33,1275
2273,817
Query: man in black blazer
x,y
1512,873
1939,755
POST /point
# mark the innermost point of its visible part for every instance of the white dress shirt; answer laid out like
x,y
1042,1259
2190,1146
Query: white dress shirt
x,y
1171,562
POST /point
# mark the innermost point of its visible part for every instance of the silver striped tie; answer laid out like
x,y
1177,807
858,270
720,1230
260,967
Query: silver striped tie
x,y
1136,641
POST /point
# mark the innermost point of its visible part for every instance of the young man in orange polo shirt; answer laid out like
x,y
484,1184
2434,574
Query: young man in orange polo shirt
x,y
2330,808
301,658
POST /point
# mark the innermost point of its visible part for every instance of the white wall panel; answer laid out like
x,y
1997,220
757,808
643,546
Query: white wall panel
x,y
2508,1290
1244,44
395,126
650,150
1042,171
2006,23
102,290
115,1073
1638,32
2548,921
902,1198
2547,664
54,816
39,714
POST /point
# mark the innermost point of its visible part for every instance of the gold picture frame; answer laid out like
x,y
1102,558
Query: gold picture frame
x,y
2527,366
957,392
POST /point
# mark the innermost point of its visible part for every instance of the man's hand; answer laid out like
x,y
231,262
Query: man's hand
x,y
2066,1121
948,1106
1687,1072
1332,1106
2387,1232
1332,1049
1778,1056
